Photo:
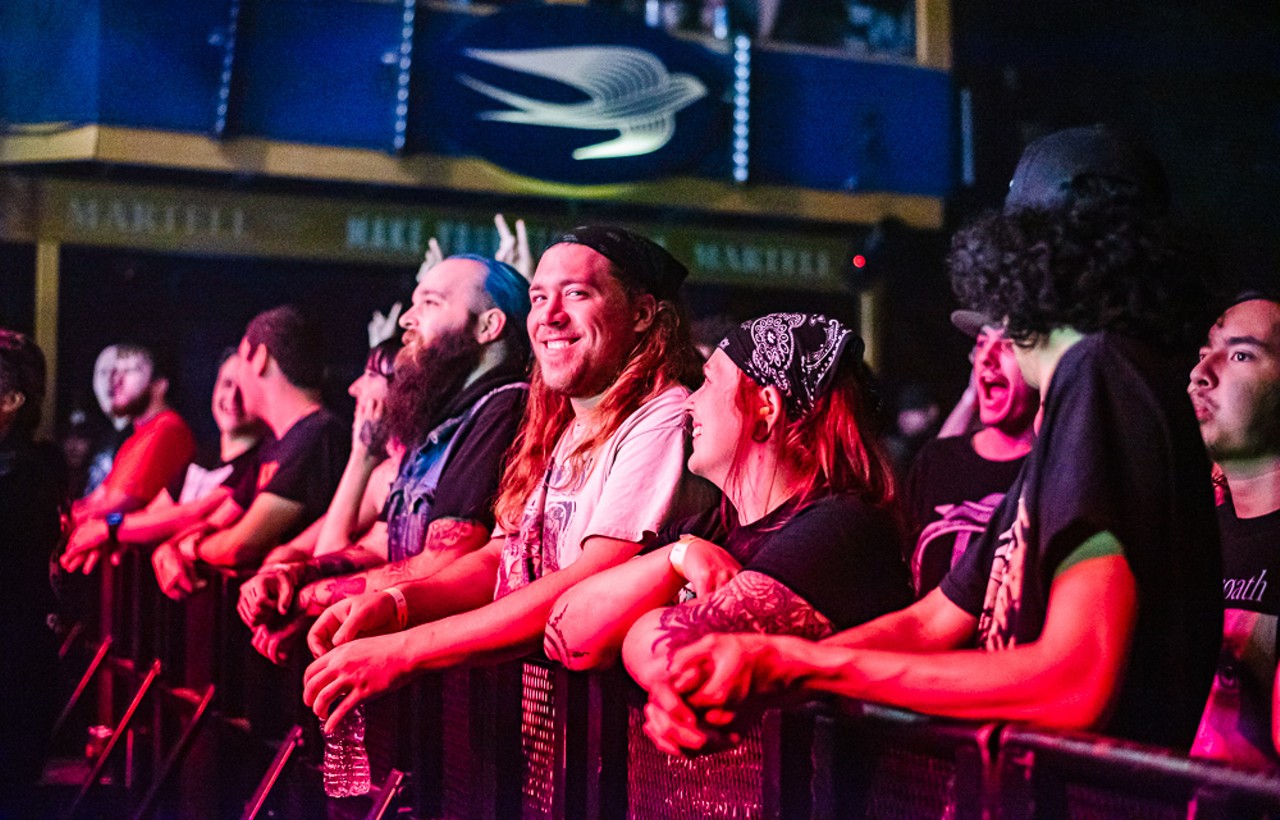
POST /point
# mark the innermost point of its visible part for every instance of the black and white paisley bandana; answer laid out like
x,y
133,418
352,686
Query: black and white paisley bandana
x,y
795,352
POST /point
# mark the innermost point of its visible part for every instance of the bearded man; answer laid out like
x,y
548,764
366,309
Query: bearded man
x,y
455,404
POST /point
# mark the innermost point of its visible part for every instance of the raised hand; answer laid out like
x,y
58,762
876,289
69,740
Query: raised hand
x,y
514,248
433,257
368,432
382,327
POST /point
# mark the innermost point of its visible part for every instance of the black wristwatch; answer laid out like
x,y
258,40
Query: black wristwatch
x,y
114,520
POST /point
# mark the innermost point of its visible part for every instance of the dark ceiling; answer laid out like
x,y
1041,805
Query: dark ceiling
x,y
1199,81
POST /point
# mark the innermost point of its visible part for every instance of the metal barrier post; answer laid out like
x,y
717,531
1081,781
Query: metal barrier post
x,y
1044,773
285,751
121,727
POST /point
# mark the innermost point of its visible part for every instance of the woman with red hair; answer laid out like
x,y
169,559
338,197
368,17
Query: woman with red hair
x,y
804,542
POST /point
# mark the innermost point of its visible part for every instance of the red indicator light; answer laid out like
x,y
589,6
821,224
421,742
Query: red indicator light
x,y
859,261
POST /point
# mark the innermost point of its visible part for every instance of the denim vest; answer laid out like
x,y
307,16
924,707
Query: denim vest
x,y
413,492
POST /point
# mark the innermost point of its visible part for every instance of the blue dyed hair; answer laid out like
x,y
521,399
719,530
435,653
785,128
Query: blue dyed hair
x,y
505,286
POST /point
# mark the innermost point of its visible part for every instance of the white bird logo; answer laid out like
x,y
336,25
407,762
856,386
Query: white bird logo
x,y
630,92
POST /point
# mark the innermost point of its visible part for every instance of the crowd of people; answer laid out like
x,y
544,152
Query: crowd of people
x,y
543,462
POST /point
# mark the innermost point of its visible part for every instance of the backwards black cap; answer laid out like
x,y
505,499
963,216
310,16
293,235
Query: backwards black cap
x,y
1051,169
637,260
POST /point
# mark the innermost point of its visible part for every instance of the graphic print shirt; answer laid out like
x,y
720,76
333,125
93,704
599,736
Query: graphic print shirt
x,y
1236,725
630,486
1119,452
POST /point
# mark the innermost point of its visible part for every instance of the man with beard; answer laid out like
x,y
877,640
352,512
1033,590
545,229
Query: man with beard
x,y
958,481
455,405
598,468
1235,390
279,368
160,448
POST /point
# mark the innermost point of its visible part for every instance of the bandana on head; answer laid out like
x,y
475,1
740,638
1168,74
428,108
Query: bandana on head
x,y
637,260
795,352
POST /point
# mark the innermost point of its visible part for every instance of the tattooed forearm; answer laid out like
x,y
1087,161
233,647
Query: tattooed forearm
x,y
337,563
448,534
554,643
317,597
751,602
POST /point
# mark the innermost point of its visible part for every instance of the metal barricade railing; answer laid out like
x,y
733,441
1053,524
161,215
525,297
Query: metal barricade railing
x,y
1044,774
478,751
766,776
531,739
874,761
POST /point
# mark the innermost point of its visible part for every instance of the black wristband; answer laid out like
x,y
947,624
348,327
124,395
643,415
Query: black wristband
x,y
114,520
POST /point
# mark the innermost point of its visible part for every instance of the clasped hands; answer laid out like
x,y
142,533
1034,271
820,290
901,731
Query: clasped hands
x,y
348,671
717,687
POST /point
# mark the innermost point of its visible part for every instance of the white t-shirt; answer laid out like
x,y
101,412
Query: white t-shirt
x,y
633,484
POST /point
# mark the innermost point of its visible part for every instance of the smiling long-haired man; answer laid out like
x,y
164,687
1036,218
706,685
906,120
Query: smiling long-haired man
x,y
598,467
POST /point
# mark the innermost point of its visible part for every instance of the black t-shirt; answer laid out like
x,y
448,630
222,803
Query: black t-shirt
x,y
244,469
949,497
1237,720
1119,451
473,446
468,486
838,553
304,466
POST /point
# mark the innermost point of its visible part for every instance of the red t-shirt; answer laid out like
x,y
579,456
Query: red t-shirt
x,y
157,453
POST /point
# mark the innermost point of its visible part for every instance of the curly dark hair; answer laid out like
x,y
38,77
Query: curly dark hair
x,y
1101,267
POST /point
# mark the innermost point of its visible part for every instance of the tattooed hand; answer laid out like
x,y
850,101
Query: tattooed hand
x,y
370,432
373,435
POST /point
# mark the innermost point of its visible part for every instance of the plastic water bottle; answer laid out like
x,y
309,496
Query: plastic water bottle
x,y
346,763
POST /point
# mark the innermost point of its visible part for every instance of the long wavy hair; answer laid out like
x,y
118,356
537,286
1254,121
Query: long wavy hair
x,y
663,356
833,447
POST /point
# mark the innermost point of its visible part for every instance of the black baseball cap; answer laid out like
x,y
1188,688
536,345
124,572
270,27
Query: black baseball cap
x,y
1052,168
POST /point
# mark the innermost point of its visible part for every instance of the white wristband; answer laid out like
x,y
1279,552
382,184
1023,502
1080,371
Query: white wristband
x,y
676,556
402,606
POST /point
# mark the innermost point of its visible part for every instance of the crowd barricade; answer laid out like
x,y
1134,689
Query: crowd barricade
x,y
874,761
531,739
1044,774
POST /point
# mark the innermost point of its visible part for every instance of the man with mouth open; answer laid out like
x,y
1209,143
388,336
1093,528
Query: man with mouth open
x,y
957,482
1235,390
597,468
